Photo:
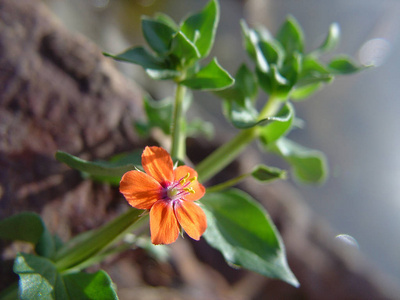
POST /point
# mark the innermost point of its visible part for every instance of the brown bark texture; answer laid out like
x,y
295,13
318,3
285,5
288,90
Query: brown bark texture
x,y
57,92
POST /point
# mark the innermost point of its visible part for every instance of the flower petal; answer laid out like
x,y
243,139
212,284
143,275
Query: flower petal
x,y
192,218
164,227
198,188
158,163
140,189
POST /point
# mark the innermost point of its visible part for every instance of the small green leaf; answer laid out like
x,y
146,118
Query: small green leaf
x,y
265,173
39,278
280,125
311,78
201,27
210,77
167,20
332,39
157,34
183,49
309,166
303,92
273,83
90,286
312,71
242,114
291,68
240,228
246,83
25,226
119,160
344,65
250,42
239,99
266,81
140,56
291,36
245,87
95,169
272,53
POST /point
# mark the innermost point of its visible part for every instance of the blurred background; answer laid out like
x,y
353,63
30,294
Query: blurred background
x,y
355,121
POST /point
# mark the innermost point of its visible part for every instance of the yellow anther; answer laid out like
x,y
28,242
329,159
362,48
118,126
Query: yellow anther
x,y
193,179
183,180
189,190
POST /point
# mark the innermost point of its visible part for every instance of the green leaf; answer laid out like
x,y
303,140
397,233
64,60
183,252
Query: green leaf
x,y
101,170
120,160
344,65
162,74
140,56
312,77
312,71
240,228
210,77
303,92
251,40
28,227
266,174
39,278
158,35
25,226
280,126
167,20
246,83
332,39
309,166
272,53
291,68
201,27
239,99
245,87
273,83
183,49
291,36
90,286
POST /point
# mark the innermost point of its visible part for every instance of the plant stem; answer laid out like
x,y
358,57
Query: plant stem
x,y
178,148
225,154
98,240
227,184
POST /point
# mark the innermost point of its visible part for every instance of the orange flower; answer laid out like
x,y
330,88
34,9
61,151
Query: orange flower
x,y
168,194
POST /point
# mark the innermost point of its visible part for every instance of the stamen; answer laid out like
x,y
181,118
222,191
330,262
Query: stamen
x,y
183,179
189,190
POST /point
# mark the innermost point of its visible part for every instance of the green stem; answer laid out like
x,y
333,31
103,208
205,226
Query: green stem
x,y
227,184
225,154
98,240
178,148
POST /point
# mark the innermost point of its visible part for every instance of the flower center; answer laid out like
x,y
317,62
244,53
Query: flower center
x,y
180,189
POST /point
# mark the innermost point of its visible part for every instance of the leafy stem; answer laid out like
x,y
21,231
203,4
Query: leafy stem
x,y
225,154
95,242
178,148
